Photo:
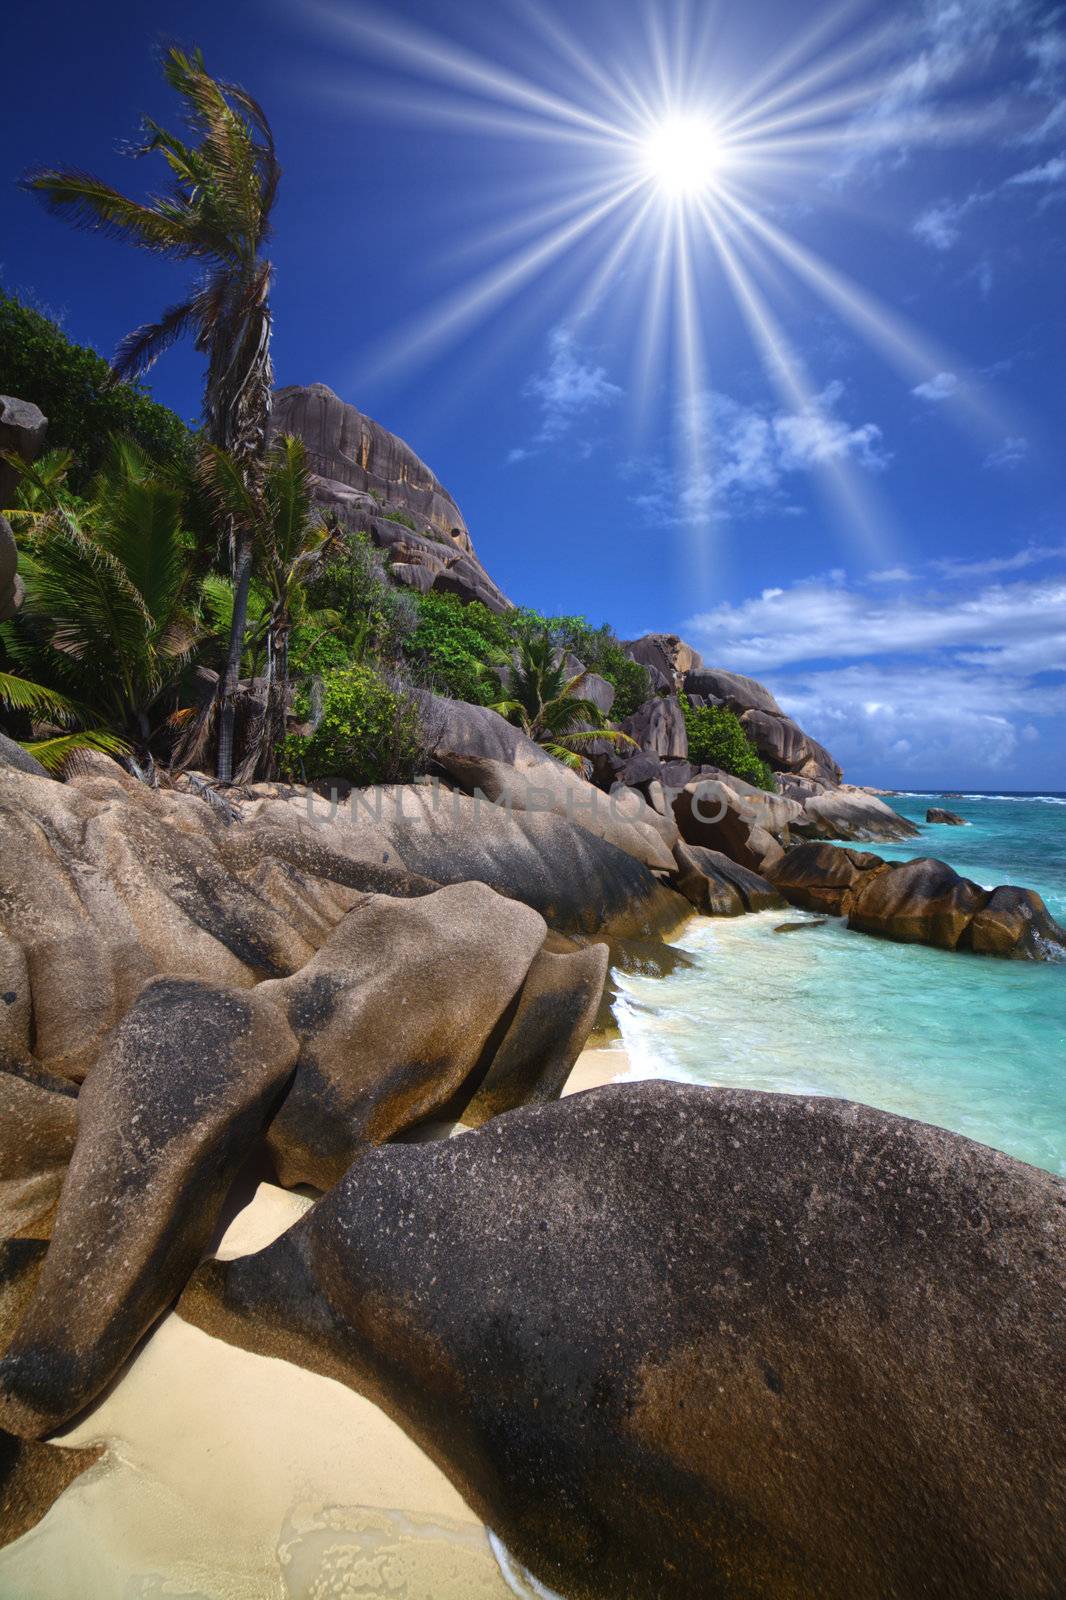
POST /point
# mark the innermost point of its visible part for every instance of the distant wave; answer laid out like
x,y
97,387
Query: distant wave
x,y
1014,799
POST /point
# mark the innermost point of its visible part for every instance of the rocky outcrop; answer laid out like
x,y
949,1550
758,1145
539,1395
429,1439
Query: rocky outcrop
x,y
38,1124
919,902
393,1014
835,1385
658,729
846,813
370,477
23,427
13,757
746,824
32,1477
666,657
719,887
951,818
165,1119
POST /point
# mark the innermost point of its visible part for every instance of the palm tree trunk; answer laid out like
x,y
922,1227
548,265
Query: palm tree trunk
x,y
231,679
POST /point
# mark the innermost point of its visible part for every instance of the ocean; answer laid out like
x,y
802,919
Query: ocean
x,y
968,1042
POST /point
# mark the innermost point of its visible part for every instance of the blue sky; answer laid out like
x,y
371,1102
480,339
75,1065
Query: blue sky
x,y
864,507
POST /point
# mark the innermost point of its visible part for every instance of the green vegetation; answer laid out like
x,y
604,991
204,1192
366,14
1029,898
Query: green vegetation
x,y
541,697
453,645
76,390
216,214
716,738
367,731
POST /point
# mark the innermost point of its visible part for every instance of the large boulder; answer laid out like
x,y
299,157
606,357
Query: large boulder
x,y
22,433
658,728
393,1014
165,1119
918,902
362,470
725,813
10,582
950,818
666,657
32,1477
578,882
38,1125
697,1342
851,814
455,730
730,689
624,820
719,887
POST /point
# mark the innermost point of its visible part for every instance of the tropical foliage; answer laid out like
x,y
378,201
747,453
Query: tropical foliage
x,y
77,391
216,214
365,730
716,738
542,697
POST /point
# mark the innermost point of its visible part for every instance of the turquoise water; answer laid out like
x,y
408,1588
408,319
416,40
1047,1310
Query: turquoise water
x,y
968,1042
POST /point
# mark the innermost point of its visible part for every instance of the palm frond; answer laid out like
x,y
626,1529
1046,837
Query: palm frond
x,y
88,202
19,694
53,753
141,349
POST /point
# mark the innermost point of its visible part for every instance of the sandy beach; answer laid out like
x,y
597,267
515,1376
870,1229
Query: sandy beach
x,y
232,1476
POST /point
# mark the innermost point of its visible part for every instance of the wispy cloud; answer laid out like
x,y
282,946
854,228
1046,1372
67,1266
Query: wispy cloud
x,y
754,452
942,387
1011,453
570,388
1033,555
1049,172
940,225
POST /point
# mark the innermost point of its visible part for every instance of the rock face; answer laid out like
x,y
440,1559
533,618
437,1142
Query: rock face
x,y
952,818
658,728
393,1015
834,1387
578,882
22,433
32,1477
38,1124
10,582
719,887
364,472
919,902
726,814
666,657
165,1119
846,813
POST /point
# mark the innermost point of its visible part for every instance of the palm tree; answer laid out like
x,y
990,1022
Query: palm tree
x,y
291,540
541,697
19,695
217,214
108,621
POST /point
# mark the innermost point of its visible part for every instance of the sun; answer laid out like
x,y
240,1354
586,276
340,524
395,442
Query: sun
x,y
683,156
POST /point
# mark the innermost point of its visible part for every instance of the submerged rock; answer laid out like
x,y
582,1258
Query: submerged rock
x,y
952,818
165,1119
673,1342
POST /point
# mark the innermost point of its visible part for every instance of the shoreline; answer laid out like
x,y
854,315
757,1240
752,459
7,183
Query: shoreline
x,y
244,1477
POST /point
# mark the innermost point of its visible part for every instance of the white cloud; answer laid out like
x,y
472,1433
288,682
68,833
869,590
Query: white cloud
x,y
1052,171
892,575
1029,557
1011,453
938,225
752,452
926,685
816,621
942,387
569,389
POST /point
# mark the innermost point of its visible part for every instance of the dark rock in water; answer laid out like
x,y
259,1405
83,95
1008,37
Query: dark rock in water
x,y
673,1343
850,814
393,1014
918,902
32,1477
38,1126
712,894
798,927
371,477
12,755
952,818
165,1119
578,883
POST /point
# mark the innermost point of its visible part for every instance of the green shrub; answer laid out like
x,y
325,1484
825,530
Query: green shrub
x,y
402,518
716,738
74,388
453,644
368,733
